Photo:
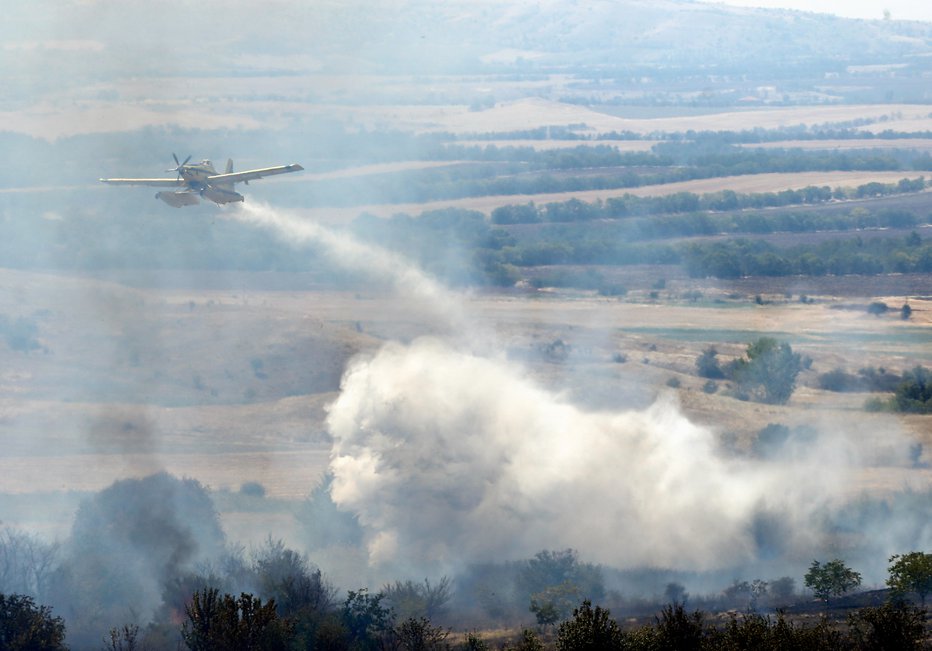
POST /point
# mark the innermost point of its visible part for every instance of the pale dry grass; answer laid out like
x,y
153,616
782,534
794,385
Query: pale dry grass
x,y
292,474
770,182
546,145
533,113
919,144
226,445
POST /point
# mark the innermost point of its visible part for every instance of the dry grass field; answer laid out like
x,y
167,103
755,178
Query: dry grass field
x,y
917,144
215,416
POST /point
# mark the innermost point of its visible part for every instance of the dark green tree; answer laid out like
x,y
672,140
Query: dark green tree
x,y
832,579
911,572
24,626
914,394
768,372
707,365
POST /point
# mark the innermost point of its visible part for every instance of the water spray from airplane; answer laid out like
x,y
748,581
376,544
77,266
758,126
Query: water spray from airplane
x,y
450,456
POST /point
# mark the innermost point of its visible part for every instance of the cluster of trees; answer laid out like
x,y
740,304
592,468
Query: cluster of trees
x,y
912,395
461,247
668,162
297,609
743,257
628,205
766,373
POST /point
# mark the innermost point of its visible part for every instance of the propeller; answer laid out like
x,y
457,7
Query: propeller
x,y
180,166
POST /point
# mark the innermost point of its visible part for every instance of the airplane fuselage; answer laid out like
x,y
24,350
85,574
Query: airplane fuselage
x,y
196,175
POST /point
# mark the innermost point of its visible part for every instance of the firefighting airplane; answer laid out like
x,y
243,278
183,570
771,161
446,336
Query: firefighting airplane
x,y
202,180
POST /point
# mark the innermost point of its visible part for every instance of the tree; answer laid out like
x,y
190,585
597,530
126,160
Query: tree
x,y
914,394
590,629
26,563
27,627
367,621
911,572
554,582
554,568
832,579
287,577
125,638
707,365
768,372
677,630
554,603
409,599
216,623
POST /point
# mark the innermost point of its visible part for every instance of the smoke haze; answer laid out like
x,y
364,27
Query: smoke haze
x,y
451,454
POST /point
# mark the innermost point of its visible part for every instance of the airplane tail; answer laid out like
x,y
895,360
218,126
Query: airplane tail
x,y
230,168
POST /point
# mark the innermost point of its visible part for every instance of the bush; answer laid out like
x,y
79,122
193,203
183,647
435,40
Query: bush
x,y
707,365
252,489
877,308
891,626
590,629
419,635
676,629
839,381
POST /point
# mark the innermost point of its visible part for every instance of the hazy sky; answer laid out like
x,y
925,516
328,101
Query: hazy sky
x,y
899,9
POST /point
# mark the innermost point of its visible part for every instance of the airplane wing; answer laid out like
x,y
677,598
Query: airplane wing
x,y
249,175
161,183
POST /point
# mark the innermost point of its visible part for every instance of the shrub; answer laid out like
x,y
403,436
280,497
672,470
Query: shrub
x,y
891,626
676,629
252,489
707,365
877,308
840,381
590,629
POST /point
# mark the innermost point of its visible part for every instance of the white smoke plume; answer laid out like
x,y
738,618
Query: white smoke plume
x,y
450,456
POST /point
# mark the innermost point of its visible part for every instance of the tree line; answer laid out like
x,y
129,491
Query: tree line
x,y
628,205
303,614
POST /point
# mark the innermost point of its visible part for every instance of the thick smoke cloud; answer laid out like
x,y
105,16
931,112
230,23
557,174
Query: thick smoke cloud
x,y
448,457
450,454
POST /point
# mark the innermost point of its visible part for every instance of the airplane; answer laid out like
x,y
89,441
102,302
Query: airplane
x,y
202,180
